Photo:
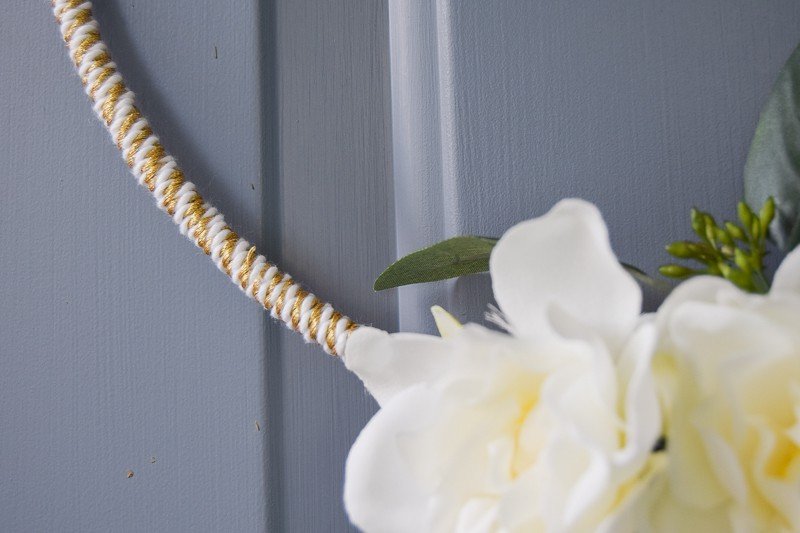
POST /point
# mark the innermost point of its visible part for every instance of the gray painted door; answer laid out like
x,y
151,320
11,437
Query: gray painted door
x,y
121,346
336,135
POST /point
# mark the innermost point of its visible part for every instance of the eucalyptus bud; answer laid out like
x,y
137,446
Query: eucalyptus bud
x,y
742,261
710,235
713,270
681,249
767,213
723,237
735,231
755,229
741,279
732,251
745,215
676,271
698,224
709,221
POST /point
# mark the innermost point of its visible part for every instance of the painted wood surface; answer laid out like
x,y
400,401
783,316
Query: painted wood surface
x,y
335,230
122,350
645,108
335,135
121,347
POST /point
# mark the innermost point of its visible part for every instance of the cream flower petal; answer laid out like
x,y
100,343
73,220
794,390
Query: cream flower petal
x,y
562,262
381,493
699,289
445,322
519,508
787,278
708,332
669,515
610,465
631,512
388,364
643,415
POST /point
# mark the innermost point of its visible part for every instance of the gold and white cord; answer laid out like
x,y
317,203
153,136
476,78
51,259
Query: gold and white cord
x,y
198,220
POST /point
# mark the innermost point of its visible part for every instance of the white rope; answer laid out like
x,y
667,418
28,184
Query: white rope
x,y
198,220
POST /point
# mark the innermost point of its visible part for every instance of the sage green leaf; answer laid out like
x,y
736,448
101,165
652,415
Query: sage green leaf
x,y
457,257
452,258
773,164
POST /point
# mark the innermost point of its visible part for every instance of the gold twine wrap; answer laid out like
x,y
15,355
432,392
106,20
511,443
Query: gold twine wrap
x,y
149,161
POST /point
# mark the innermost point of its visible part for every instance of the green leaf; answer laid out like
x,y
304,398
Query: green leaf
x,y
773,164
461,256
452,258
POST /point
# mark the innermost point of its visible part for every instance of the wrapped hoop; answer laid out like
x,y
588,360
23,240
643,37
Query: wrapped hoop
x,y
154,168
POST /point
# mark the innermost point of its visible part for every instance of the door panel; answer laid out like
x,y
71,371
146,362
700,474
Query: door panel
x,y
645,108
336,230
336,136
121,346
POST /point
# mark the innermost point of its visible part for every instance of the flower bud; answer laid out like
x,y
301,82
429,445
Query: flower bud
x,y
698,225
681,249
723,237
755,229
745,215
741,279
735,231
676,271
711,234
742,261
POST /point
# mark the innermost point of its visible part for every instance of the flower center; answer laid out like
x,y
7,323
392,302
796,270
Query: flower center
x,y
784,461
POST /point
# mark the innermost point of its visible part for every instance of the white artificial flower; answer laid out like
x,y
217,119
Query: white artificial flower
x,y
548,428
729,366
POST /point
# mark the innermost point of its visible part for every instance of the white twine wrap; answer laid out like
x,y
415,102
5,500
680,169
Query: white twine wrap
x,y
198,220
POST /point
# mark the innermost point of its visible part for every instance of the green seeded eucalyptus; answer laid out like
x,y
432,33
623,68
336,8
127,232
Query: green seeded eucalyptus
x,y
732,251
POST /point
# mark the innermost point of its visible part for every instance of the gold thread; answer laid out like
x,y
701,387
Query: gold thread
x,y
313,319
244,270
152,164
298,303
171,190
71,4
136,143
96,63
201,232
257,282
197,222
80,19
282,296
90,40
227,250
108,106
194,211
102,77
129,120
330,334
277,278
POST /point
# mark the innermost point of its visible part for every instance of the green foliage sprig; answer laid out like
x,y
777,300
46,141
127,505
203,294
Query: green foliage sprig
x,y
734,251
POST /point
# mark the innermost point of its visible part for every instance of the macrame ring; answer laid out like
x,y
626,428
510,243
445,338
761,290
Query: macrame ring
x,y
153,167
